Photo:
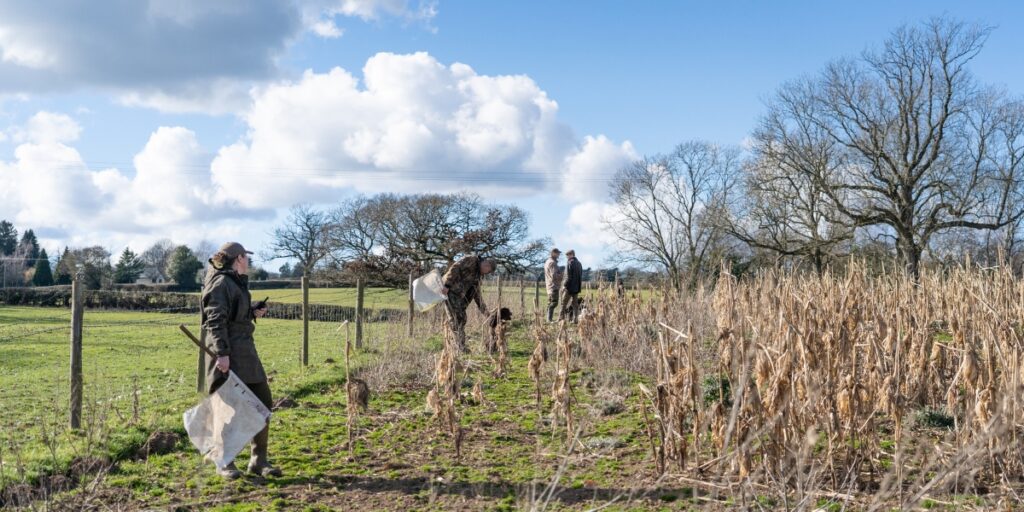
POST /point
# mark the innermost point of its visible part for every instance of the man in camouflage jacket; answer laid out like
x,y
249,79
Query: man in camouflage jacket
x,y
462,286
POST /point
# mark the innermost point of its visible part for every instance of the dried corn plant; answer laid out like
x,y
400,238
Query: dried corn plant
x,y
538,357
443,398
501,342
561,388
878,389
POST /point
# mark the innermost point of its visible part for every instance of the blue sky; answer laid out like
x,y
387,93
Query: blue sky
x,y
623,79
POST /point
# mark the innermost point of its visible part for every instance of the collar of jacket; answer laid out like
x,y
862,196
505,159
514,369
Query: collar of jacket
x,y
239,279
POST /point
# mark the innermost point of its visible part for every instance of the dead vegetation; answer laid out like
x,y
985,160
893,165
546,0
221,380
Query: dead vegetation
x,y
866,391
808,387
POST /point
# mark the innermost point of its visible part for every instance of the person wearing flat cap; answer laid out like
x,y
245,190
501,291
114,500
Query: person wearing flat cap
x,y
553,282
229,320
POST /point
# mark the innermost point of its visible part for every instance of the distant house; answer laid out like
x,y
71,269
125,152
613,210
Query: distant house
x,y
151,275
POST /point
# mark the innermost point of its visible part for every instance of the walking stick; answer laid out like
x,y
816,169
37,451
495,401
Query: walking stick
x,y
195,340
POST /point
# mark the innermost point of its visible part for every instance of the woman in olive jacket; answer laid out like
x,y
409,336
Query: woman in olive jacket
x,y
228,324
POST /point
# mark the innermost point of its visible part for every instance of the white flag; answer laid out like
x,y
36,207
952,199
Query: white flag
x,y
224,422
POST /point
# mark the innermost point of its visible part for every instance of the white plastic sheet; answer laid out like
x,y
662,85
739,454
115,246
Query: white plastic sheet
x,y
224,422
426,291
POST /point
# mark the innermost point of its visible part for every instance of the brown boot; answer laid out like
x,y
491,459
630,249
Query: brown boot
x,y
258,463
263,468
229,472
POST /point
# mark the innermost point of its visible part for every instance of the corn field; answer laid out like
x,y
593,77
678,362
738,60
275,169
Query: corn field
x,y
868,389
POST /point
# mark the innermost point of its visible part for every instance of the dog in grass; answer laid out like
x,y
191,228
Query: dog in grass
x,y
581,309
503,316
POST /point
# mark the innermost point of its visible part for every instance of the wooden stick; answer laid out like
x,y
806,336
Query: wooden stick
x,y
195,340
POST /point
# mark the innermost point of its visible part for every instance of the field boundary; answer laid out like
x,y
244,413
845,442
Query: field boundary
x,y
178,302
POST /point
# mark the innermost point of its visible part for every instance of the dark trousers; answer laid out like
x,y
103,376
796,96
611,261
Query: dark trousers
x,y
262,440
570,306
552,306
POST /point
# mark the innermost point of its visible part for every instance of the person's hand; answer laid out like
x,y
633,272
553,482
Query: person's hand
x,y
261,312
223,363
444,291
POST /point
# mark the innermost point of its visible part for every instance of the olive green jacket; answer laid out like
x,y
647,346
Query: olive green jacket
x,y
228,325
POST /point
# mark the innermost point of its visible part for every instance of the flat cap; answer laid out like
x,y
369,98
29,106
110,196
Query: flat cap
x,y
233,249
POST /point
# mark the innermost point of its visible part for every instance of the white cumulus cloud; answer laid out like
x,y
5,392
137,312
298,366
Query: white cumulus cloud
x,y
411,123
49,187
47,127
586,228
589,171
408,124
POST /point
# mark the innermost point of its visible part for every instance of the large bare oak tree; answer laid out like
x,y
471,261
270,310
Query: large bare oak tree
x,y
923,147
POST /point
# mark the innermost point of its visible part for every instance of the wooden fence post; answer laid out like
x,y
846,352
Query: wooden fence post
x,y
522,297
359,313
499,292
77,314
305,321
412,305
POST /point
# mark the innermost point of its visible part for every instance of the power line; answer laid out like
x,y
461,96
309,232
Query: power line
x,y
506,175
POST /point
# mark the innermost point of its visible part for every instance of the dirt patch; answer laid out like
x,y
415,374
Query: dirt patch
x,y
159,443
17,495
54,484
284,403
81,466
24,495
101,498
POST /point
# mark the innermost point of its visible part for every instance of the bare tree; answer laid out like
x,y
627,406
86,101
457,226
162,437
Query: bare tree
x,y
667,210
502,233
786,208
357,228
917,135
204,250
303,236
436,229
388,235
156,258
359,241
1005,158
94,264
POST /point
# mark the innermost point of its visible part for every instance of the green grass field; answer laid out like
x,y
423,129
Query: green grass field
x,y
510,454
373,298
139,372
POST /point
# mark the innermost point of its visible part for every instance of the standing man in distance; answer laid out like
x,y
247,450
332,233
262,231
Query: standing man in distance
x,y
462,286
571,287
552,282
229,320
